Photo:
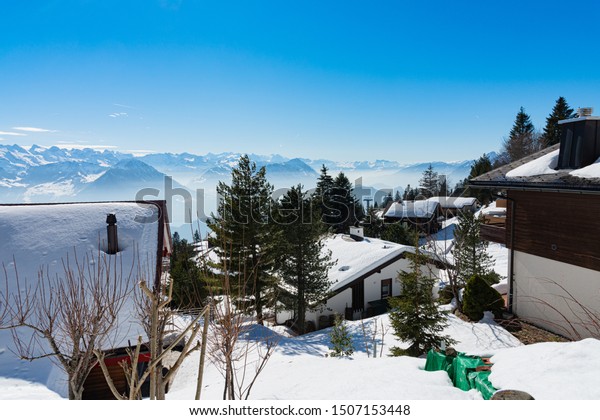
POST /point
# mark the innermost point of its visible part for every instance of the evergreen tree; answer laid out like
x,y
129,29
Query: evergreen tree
x,y
410,194
341,341
428,185
301,264
470,251
387,200
396,232
397,197
522,140
414,315
322,196
443,187
480,167
243,234
190,285
344,210
552,130
406,193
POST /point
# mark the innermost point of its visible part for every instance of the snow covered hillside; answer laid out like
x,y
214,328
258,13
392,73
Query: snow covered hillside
x,y
300,370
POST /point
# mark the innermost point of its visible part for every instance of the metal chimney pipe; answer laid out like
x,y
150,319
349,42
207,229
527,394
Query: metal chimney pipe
x,y
113,239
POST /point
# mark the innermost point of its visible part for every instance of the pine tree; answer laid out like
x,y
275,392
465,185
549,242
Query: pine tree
x,y
243,234
396,232
522,140
397,197
480,167
429,183
470,251
414,315
301,264
443,187
387,200
410,194
552,130
190,285
406,193
344,210
341,341
322,196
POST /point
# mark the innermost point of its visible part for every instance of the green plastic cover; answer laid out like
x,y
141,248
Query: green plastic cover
x,y
461,370
462,366
480,381
438,361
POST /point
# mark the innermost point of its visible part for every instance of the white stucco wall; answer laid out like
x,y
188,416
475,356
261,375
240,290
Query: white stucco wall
x,y
545,292
339,302
336,305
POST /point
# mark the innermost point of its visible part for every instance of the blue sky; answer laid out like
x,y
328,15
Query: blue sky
x,y
347,80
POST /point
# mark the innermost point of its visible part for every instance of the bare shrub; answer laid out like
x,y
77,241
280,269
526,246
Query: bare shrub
x,y
239,362
68,315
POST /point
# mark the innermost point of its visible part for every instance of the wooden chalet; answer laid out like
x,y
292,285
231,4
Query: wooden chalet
x,y
134,235
451,206
425,215
552,227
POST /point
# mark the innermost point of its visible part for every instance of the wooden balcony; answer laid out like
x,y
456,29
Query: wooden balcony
x,y
493,233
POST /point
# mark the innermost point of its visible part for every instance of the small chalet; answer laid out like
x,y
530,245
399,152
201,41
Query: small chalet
x,y
364,275
551,227
425,214
135,236
451,206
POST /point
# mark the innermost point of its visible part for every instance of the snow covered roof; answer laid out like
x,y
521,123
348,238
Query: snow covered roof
x,y
418,209
354,259
37,236
453,202
42,234
538,171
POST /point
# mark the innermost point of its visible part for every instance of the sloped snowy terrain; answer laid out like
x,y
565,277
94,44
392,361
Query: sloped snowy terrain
x,y
300,370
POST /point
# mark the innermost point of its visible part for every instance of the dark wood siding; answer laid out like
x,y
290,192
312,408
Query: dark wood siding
x,y
493,233
560,226
96,388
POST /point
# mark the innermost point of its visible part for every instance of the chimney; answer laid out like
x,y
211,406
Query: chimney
x,y
113,239
580,140
357,233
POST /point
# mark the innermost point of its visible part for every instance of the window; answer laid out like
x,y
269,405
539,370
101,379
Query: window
x,y
386,288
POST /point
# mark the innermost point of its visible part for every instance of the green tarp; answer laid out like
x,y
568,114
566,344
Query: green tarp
x,y
480,382
461,367
461,370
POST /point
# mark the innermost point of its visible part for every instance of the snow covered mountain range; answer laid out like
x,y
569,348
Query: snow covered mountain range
x,y
41,174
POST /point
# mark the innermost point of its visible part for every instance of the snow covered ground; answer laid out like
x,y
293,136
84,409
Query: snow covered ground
x,y
300,370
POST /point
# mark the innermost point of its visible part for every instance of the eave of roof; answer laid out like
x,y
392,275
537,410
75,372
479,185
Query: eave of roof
x,y
561,181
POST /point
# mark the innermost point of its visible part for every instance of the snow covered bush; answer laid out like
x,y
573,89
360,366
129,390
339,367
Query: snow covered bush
x,y
480,297
341,341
